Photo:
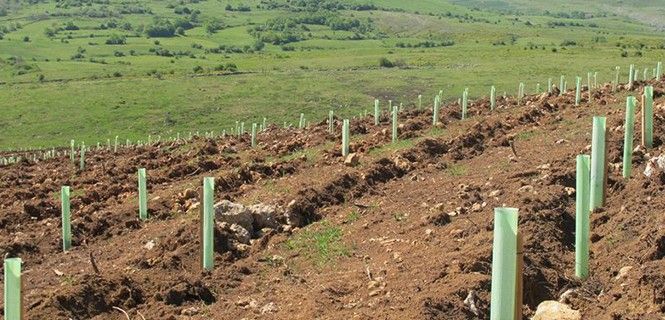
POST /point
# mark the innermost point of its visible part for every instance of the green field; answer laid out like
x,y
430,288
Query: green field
x,y
206,66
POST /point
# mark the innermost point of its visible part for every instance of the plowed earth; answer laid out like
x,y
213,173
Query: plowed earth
x,y
405,234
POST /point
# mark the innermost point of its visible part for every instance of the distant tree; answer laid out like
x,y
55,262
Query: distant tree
x,y
71,26
26,39
160,28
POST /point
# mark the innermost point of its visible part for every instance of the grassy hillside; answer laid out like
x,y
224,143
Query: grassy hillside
x,y
91,70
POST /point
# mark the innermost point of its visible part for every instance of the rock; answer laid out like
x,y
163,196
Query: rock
x,y
655,164
429,232
495,193
569,191
351,160
470,302
439,206
191,311
554,310
149,245
269,308
545,166
241,234
265,216
527,188
375,292
623,272
189,194
233,213
561,141
476,207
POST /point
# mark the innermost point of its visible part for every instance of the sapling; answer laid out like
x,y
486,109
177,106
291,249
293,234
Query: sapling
x,y
595,79
465,101
435,117
538,87
143,194
629,128
331,128
582,217
82,164
492,98
504,264
562,85
616,79
301,123
253,135
549,85
598,165
346,137
631,76
208,223
263,127
420,101
394,135
644,76
377,112
71,154
659,70
647,117
578,89
520,93
66,218
13,299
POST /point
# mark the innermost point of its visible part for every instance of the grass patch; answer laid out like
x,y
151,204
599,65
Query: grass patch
x,y
456,170
526,135
322,244
392,147
353,216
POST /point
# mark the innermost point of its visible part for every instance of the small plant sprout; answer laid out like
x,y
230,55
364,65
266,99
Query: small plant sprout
x,y
143,194
492,98
208,223
394,116
66,219
578,90
377,112
629,128
582,217
346,137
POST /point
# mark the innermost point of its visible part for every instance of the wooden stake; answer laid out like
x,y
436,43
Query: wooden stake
x,y
518,278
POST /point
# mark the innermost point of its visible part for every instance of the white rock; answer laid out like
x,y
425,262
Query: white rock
x,y
623,272
554,310
149,245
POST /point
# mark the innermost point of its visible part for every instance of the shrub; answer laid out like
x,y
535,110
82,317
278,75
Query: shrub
x,y
117,74
26,39
41,78
385,63
160,28
197,69
115,39
568,42
71,26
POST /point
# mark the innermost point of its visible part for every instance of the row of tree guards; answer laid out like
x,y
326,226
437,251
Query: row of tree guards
x,y
590,194
506,256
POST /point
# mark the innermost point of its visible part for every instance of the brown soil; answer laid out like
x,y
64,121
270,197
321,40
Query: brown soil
x,y
404,256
